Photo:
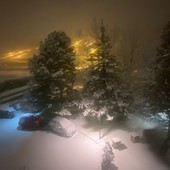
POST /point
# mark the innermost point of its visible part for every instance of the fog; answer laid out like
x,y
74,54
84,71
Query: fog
x,y
25,23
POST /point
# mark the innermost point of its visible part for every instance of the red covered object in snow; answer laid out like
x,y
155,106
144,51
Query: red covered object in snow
x,y
31,122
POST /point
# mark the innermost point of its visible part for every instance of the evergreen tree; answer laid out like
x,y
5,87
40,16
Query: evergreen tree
x,y
53,69
109,94
159,88
107,157
164,48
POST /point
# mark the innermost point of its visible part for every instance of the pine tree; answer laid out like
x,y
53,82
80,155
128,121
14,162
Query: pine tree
x,y
104,86
53,69
159,88
164,48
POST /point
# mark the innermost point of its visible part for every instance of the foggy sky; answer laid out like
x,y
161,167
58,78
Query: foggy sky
x,y
25,23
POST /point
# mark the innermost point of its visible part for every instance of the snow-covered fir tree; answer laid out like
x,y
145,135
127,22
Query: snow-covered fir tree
x,y
107,93
107,157
158,93
53,70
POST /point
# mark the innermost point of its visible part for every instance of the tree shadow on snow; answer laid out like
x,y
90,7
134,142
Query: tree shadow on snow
x,y
122,147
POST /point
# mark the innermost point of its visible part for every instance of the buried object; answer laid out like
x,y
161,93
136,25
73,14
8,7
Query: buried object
x,y
62,126
31,121
5,114
134,137
116,142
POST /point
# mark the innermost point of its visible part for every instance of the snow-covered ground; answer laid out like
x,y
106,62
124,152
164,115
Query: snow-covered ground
x,y
39,150
7,75
10,137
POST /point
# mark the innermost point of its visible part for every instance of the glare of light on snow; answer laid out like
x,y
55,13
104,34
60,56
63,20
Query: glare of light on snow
x,y
77,43
12,124
93,50
83,48
90,43
109,118
163,116
63,112
80,68
10,137
8,126
149,125
17,54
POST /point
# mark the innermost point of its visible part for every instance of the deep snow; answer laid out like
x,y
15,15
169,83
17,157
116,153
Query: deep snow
x,y
40,150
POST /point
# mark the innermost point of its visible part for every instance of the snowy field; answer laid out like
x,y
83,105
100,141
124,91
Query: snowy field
x,y
7,75
39,150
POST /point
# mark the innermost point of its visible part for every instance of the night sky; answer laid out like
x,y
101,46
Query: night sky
x,y
25,23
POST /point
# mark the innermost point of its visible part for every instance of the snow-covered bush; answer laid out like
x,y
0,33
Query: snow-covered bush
x,y
63,112
107,157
